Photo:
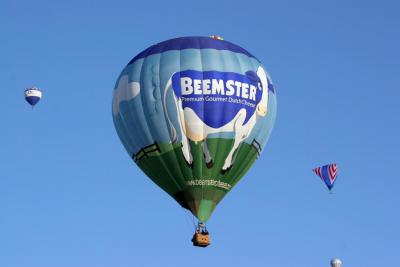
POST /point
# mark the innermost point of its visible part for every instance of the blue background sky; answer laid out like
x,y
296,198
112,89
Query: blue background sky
x,y
71,196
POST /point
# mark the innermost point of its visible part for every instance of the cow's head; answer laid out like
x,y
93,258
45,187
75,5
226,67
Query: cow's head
x,y
263,84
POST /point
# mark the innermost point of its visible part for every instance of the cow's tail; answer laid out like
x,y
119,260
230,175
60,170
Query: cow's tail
x,y
173,133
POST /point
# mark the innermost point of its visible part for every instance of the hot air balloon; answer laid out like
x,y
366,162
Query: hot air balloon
x,y
216,37
32,96
194,113
328,174
336,263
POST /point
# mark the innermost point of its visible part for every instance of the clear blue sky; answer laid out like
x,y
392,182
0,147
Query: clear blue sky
x,y
71,196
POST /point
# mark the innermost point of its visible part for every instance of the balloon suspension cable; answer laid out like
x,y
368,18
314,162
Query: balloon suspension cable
x,y
194,222
201,227
187,218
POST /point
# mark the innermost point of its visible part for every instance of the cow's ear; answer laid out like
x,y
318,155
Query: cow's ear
x,y
262,76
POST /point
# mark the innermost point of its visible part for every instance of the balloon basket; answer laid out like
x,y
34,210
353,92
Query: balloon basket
x,y
201,240
201,237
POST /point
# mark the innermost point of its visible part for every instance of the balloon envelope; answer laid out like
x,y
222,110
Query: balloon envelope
x,y
328,174
336,263
194,113
32,95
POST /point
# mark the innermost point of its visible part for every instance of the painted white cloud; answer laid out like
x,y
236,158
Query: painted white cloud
x,y
125,91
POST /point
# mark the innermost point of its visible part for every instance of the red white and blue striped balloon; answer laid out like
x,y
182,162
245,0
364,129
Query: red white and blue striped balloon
x,y
328,174
32,95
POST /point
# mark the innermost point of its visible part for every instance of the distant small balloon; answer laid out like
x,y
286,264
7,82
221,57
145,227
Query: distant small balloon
x,y
216,37
336,263
32,95
328,174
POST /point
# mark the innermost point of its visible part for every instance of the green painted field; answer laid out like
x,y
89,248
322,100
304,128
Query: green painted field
x,y
195,187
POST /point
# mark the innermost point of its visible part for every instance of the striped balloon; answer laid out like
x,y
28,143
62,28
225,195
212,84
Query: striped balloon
x,y
327,173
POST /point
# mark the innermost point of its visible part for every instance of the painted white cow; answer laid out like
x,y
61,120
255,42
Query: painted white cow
x,y
193,128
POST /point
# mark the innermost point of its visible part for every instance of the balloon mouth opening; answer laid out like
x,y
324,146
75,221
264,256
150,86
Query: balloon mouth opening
x,y
201,209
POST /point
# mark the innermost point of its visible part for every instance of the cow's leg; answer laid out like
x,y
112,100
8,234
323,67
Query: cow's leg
x,y
240,134
186,151
207,155
229,159
185,142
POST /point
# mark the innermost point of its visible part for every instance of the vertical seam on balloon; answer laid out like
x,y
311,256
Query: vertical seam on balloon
x,y
161,160
221,54
125,124
190,169
117,121
169,132
148,126
237,149
190,150
200,158
134,115
244,167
